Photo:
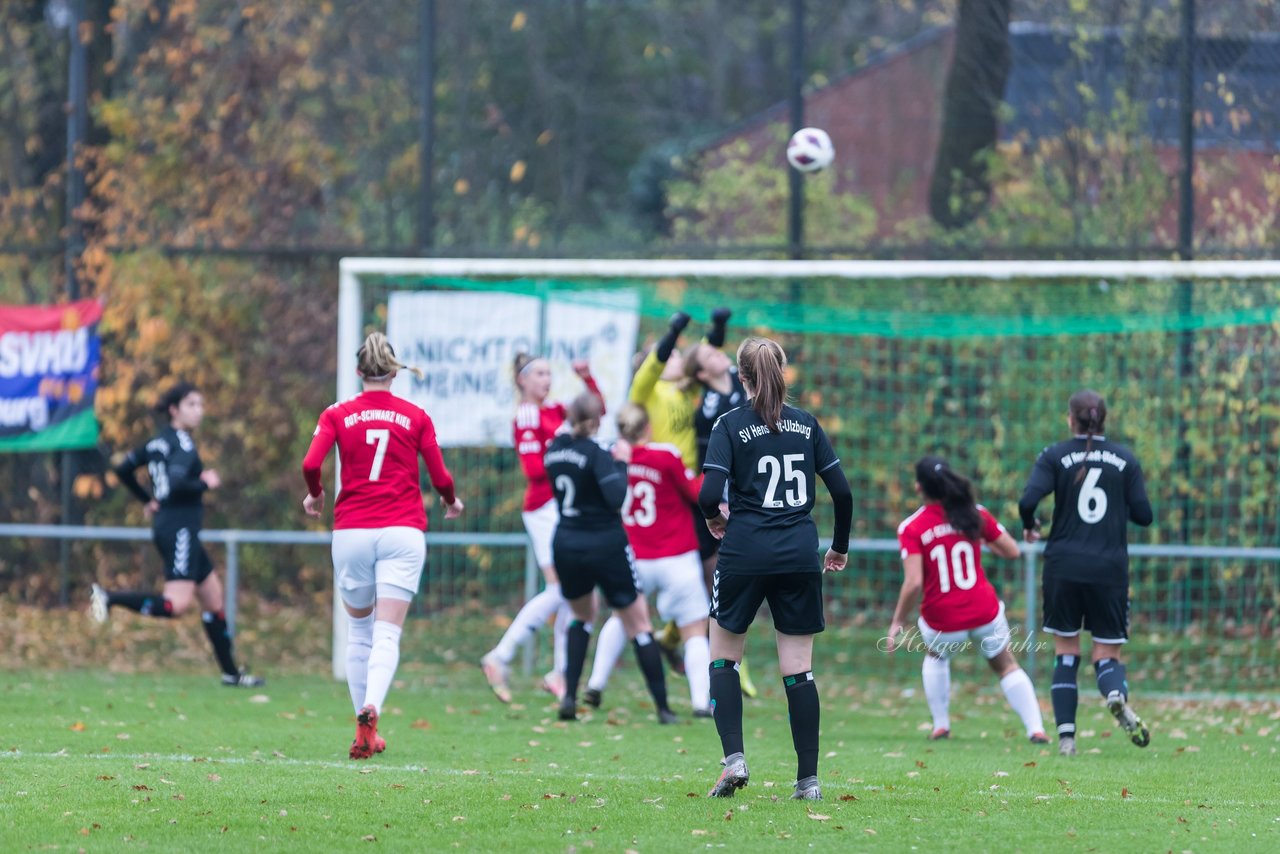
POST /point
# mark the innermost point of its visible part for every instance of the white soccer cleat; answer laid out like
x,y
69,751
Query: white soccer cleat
x,y
733,778
807,789
1067,745
98,604
495,673
1127,718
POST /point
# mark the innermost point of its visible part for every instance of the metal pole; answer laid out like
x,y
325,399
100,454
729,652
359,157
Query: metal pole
x,y
531,573
795,209
233,584
77,119
1029,589
426,124
1186,288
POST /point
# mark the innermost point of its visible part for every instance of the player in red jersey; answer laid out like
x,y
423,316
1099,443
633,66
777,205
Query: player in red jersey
x,y
941,555
378,523
660,491
537,422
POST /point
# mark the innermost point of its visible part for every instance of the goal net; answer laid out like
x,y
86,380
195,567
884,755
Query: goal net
x,y
970,360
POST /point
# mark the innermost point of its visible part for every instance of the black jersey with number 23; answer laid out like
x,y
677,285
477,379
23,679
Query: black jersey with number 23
x,y
772,485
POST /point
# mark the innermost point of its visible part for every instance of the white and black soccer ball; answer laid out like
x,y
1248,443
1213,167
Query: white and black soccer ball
x,y
810,149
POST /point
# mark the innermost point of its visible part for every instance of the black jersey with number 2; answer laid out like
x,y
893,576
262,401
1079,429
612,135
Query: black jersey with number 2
x,y
174,466
590,486
1089,538
772,486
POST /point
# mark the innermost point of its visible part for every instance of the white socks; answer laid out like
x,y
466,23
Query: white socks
x,y
610,643
1021,695
527,622
383,660
697,669
936,673
560,636
359,644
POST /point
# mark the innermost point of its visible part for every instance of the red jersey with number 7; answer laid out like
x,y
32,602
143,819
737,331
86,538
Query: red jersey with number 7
x,y
660,493
380,437
957,595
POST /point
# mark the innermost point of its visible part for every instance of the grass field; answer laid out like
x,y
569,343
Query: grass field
x,y
100,761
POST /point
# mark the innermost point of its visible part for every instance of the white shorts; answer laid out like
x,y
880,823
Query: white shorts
x,y
991,639
366,558
677,580
541,525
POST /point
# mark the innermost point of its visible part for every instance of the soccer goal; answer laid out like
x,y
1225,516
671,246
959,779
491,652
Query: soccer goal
x,y
973,360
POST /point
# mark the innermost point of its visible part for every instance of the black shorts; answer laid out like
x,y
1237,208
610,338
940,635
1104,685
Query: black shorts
x,y
1100,608
612,570
184,556
708,545
795,600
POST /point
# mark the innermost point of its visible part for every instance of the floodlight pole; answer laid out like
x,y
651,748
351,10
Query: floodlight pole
x,y
1186,288
77,122
426,124
795,218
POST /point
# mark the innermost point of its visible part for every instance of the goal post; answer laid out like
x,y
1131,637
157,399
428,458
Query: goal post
x,y
971,359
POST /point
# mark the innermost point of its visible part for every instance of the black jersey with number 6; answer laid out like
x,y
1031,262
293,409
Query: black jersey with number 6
x,y
1089,538
772,485
590,486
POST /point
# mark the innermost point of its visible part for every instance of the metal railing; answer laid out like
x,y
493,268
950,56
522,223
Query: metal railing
x,y
232,539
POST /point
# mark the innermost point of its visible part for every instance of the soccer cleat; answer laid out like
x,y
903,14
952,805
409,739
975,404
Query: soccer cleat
x,y
807,789
568,708
553,684
733,778
242,680
666,716
379,744
703,713
1066,745
669,645
495,673
1127,718
939,734
744,679
366,741
592,698
98,604
1038,738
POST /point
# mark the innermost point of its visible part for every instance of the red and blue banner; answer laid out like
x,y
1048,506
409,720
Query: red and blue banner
x,y
49,358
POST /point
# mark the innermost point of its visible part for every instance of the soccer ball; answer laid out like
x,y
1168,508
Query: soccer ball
x,y
810,149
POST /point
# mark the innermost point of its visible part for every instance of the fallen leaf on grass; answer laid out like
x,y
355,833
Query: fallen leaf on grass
x,y
698,832
868,830
817,816
1124,793
728,816
78,726
369,838
848,797
213,778
420,723
1001,774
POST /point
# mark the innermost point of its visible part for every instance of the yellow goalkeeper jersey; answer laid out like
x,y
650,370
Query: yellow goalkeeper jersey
x,y
670,409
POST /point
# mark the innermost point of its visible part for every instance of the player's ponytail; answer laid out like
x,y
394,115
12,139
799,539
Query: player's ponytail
x,y
633,420
762,365
1088,416
376,359
584,414
940,483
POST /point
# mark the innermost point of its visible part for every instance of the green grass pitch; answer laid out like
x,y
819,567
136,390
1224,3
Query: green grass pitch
x,y
100,761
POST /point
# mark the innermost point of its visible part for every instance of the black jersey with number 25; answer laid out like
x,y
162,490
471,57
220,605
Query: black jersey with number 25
x,y
772,485
1089,538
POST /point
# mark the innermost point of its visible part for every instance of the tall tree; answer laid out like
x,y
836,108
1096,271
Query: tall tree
x,y
975,85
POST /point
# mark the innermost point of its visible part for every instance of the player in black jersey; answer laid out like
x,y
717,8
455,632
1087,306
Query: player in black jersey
x,y
590,549
722,390
1098,489
176,508
771,455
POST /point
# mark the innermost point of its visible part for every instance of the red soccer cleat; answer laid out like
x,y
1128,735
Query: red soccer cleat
x,y
367,740
939,734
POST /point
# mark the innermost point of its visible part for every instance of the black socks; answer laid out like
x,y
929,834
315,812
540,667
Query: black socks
x,y
804,708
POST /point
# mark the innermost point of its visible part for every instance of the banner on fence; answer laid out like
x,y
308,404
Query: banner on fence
x,y
465,344
49,358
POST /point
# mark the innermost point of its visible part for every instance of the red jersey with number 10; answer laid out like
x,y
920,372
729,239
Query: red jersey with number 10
x,y
660,492
957,595
379,438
